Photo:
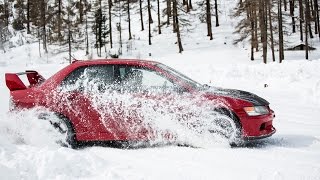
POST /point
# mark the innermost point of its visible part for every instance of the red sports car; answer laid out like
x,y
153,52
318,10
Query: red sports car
x,y
111,100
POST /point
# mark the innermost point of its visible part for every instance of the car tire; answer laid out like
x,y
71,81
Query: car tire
x,y
228,126
64,127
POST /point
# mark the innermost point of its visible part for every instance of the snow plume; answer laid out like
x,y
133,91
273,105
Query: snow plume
x,y
156,116
25,127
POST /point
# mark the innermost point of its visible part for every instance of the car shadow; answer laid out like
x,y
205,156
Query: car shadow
x,y
284,140
128,144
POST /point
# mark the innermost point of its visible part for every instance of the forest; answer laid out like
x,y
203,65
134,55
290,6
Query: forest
x,y
266,25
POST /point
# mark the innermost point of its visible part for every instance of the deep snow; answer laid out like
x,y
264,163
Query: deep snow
x,y
28,149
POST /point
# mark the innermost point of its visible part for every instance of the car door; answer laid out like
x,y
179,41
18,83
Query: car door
x,y
152,93
84,95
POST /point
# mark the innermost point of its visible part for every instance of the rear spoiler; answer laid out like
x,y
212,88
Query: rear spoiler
x,y
14,82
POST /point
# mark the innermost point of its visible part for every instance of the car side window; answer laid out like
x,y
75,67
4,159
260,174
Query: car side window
x,y
138,78
89,77
73,77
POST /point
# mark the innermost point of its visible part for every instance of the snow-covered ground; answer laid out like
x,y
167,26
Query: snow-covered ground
x,y
28,149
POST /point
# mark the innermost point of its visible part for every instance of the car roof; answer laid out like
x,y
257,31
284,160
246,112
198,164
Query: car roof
x,y
114,61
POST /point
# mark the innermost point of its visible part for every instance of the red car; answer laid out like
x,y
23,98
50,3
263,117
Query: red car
x,y
72,94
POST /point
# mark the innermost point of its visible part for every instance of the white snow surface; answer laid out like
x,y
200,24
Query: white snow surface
x,y
28,149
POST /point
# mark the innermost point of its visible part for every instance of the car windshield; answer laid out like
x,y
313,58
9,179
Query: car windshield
x,y
181,76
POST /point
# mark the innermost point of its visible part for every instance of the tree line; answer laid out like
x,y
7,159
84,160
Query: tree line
x,y
261,22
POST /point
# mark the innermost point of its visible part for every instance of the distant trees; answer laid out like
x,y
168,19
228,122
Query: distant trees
x,y
72,22
257,24
263,23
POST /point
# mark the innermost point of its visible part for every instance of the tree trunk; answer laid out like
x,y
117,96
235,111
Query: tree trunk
x,y
110,23
217,13
309,5
184,2
149,21
292,16
281,49
129,20
44,23
80,11
252,31
256,26
190,4
316,10
120,28
188,7
28,17
176,19
149,12
69,32
301,19
168,11
271,30
173,20
87,36
39,38
263,29
159,22
208,14
316,4
285,5
307,19
59,20
69,43
141,15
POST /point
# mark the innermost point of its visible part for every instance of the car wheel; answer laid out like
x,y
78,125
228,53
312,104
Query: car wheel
x,y
64,127
227,126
